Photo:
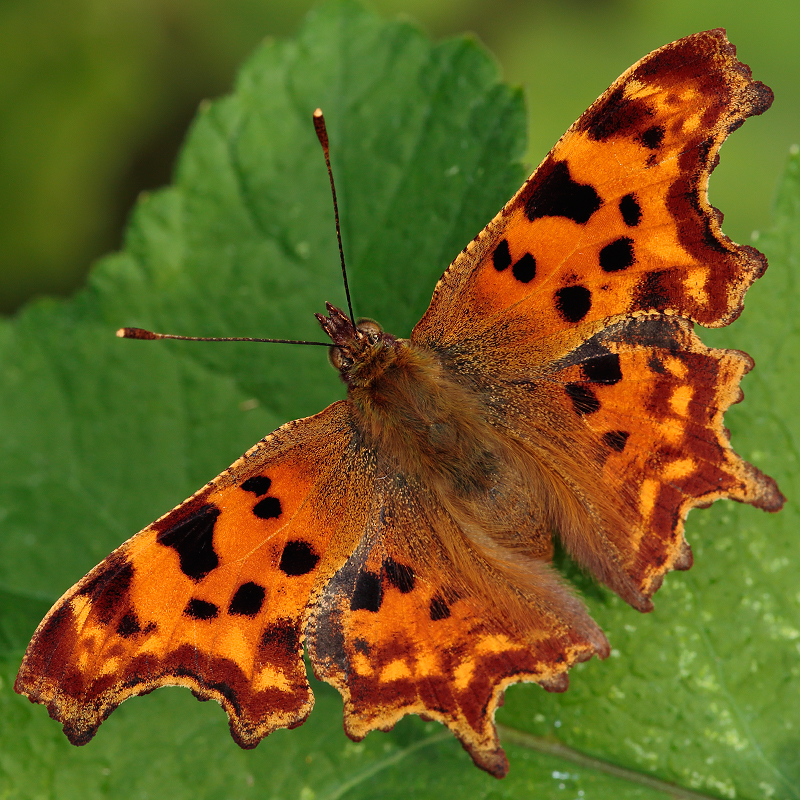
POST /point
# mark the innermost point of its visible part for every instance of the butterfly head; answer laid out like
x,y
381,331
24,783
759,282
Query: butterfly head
x,y
360,349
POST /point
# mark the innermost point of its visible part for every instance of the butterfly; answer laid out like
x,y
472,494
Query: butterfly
x,y
554,389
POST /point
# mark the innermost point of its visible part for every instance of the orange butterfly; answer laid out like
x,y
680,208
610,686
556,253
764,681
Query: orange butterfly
x,y
554,385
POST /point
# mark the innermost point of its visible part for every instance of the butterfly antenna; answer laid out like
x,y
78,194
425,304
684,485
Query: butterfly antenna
x,y
322,135
141,333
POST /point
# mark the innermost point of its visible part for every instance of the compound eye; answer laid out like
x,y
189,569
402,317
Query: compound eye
x,y
339,360
370,329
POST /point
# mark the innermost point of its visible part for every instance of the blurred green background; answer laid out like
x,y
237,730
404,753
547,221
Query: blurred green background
x,y
96,97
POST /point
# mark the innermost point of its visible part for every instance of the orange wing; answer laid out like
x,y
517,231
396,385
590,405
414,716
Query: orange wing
x,y
616,219
398,631
214,595
641,401
575,307
307,534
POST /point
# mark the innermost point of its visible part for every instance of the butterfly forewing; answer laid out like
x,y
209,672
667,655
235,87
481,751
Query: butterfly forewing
x,y
616,219
215,595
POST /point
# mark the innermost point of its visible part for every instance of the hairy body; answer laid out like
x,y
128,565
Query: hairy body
x,y
504,494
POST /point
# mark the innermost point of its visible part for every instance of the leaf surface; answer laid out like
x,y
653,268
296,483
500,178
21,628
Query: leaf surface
x,y
101,436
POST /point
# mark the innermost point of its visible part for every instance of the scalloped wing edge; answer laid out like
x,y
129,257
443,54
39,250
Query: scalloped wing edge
x,y
751,98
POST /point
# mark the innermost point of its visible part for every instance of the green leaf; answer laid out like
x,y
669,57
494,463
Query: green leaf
x,y
100,436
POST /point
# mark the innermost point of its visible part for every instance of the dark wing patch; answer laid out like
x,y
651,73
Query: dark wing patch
x,y
298,558
573,302
438,608
584,400
631,210
268,508
618,255
616,440
501,258
368,594
603,369
201,609
258,485
401,576
555,194
652,137
193,540
247,600
525,269
616,115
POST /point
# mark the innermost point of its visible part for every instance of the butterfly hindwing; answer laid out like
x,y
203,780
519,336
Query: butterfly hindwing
x,y
399,631
649,398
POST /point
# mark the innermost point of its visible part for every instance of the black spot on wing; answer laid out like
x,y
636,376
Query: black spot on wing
x,y
258,485
279,639
573,302
438,608
401,576
631,210
501,258
247,600
368,593
616,440
200,609
555,194
618,255
298,558
655,364
652,137
603,369
268,508
128,626
193,540
583,399
525,269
